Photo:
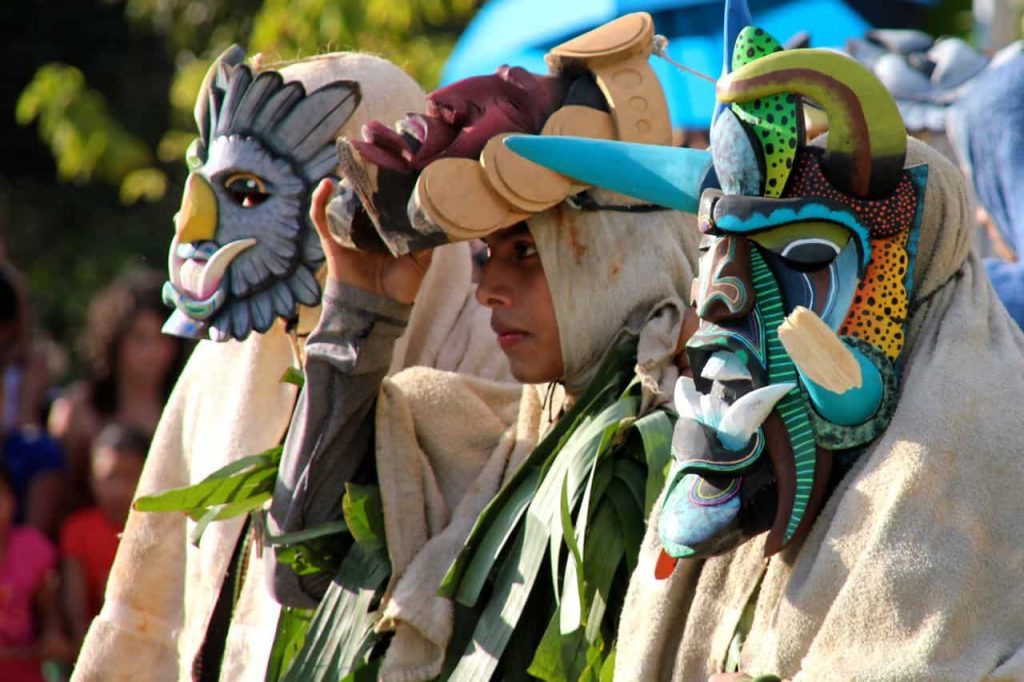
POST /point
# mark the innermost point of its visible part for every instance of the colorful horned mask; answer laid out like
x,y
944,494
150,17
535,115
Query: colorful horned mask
x,y
803,290
244,251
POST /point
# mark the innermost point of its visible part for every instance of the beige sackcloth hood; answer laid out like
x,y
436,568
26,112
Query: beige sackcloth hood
x,y
230,402
913,570
446,443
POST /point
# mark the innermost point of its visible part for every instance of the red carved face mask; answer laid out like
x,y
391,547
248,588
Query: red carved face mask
x,y
462,117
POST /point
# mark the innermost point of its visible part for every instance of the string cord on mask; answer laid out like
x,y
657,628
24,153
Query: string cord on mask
x,y
585,202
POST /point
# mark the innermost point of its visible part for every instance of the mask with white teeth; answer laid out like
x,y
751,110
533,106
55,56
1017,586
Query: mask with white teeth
x,y
803,290
244,251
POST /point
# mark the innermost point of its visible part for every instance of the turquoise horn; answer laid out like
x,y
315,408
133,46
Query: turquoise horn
x,y
665,176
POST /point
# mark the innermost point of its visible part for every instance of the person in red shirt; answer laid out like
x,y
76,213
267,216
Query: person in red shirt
x,y
30,624
89,537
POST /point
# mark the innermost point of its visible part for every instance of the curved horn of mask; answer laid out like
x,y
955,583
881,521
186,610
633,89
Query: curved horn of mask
x,y
665,176
867,142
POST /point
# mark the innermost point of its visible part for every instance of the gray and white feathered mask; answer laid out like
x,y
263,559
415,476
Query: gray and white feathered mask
x,y
244,250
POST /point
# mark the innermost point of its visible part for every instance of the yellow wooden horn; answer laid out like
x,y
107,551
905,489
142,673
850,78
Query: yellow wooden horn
x,y
867,141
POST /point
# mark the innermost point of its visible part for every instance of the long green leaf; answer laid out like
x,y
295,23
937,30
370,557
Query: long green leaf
x,y
516,576
656,431
340,633
243,506
593,440
629,517
474,575
227,511
292,626
631,474
242,478
572,615
608,668
518,573
567,455
574,649
572,593
547,659
516,493
308,534
595,658
205,520
601,561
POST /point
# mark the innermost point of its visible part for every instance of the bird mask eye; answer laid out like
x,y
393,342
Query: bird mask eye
x,y
246,190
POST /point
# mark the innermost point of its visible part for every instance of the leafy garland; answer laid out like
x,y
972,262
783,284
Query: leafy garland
x,y
580,501
336,639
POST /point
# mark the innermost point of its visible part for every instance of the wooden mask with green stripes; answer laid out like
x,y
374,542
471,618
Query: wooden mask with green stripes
x,y
832,229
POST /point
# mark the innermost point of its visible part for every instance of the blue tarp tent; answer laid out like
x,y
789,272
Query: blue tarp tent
x,y
520,32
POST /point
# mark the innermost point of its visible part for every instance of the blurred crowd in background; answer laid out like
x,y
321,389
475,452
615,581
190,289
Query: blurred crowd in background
x,y
70,460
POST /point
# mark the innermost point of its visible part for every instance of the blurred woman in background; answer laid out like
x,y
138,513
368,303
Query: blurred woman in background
x,y
132,368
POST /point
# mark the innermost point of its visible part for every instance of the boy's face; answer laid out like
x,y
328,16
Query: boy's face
x,y
115,474
513,285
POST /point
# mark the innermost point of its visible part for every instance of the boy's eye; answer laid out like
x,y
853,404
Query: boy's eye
x,y
481,255
524,249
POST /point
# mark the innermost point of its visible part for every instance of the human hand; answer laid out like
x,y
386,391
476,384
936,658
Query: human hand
x,y
377,273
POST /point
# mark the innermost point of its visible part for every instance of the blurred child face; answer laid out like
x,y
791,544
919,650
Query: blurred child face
x,y
115,475
145,350
513,285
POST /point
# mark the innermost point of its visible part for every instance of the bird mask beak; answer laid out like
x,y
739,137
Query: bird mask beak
x,y
196,220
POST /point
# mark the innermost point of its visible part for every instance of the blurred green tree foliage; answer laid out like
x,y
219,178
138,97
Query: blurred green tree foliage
x,y
108,87
88,141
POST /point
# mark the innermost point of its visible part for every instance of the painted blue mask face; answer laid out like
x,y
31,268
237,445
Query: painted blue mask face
x,y
761,260
768,433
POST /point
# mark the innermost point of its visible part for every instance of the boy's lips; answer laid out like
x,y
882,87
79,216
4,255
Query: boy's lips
x,y
509,339
508,336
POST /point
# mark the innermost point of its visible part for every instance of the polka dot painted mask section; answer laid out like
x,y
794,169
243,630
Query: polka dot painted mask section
x,y
775,119
878,312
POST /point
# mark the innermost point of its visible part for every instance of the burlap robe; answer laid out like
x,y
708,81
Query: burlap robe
x,y
913,569
229,402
